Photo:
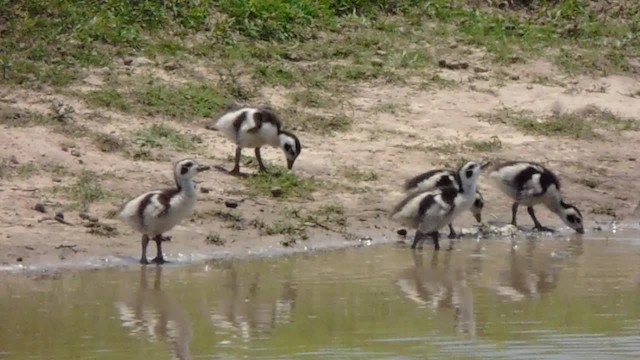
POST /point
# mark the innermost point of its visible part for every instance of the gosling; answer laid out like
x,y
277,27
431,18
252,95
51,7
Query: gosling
x,y
156,212
428,211
529,183
440,178
254,127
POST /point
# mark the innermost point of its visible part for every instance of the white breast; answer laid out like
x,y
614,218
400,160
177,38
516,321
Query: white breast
x,y
149,221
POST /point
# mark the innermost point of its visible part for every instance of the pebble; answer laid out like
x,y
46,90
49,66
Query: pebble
x,y
75,153
402,232
377,62
276,191
205,190
232,204
88,217
40,208
60,215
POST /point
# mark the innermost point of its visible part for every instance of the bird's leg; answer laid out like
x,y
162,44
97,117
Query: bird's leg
x,y
416,239
259,158
514,212
145,242
536,223
436,240
452,233
159,259
236,168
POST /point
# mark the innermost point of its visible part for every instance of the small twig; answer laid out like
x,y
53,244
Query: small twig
x,y
23,189
72,247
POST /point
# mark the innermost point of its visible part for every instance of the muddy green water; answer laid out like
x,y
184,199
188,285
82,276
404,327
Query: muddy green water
x,y
550,298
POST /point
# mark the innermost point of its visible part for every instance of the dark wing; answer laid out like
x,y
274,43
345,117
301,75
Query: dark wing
x,y
416,180
164,198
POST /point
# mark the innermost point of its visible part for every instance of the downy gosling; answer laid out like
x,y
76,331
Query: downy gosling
x,y
254,127
529,183
156,212
441,178
428,211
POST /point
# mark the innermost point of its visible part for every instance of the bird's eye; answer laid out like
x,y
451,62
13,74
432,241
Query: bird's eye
x,y
469,173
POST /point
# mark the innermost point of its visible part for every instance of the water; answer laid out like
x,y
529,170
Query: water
x,y
550,298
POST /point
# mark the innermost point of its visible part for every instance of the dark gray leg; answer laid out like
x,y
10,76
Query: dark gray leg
x,y
536,223
436,240
236,168
416,239
259,158
452,233
159,259
514,212
145,242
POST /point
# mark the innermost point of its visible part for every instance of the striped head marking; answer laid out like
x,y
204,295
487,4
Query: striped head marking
x,y
291,147
572,217
470,171
187,169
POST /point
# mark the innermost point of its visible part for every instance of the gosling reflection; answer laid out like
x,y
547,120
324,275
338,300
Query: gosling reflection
x,y
150,313
439,285
533,267
250,311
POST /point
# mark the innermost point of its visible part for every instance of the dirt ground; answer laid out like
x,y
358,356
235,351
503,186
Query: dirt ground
x,y
599,176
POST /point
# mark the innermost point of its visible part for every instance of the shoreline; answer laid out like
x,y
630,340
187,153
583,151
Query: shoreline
x,y
315,247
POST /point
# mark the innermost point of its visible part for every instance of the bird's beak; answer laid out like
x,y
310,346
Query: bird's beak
x,y
202,168
485,163
290,163
580,230
478,217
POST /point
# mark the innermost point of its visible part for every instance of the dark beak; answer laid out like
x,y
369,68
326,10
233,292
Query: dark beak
x,y
580,230
485,163
290,163
478,217
202,168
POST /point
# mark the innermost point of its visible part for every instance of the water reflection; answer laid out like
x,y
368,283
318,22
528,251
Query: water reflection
x,y
150,313
532,270
248,310
440,284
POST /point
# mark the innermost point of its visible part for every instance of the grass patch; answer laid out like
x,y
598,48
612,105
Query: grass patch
x,y
101,229
354,174
85,190
491,145
108,143
583,124
312,98
288,181
322,124
162,136
108,98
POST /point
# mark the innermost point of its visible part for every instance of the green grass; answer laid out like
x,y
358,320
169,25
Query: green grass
x,y
354,174
322,124
162,136
184,102
584,124
493,144
291,184
85,190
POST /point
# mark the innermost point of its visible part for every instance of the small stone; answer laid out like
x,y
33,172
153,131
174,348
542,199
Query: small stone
x,y
64,148
480,69
377,62
60,215
276,192
529,87
402,232
85,216
514,77
80,161
19,259
381,52
172,67
232,204
13,160
39,207
56,180
205,190
453,65
75,153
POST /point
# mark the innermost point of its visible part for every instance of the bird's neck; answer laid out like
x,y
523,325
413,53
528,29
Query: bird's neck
x,y
186,186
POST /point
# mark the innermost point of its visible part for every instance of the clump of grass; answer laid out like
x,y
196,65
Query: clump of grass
x,y
102,229
160,136
581,124
323,124
311,98
290,184
108,98
183,102
493,144
388,108
85,190
354,174
214,239
108,142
